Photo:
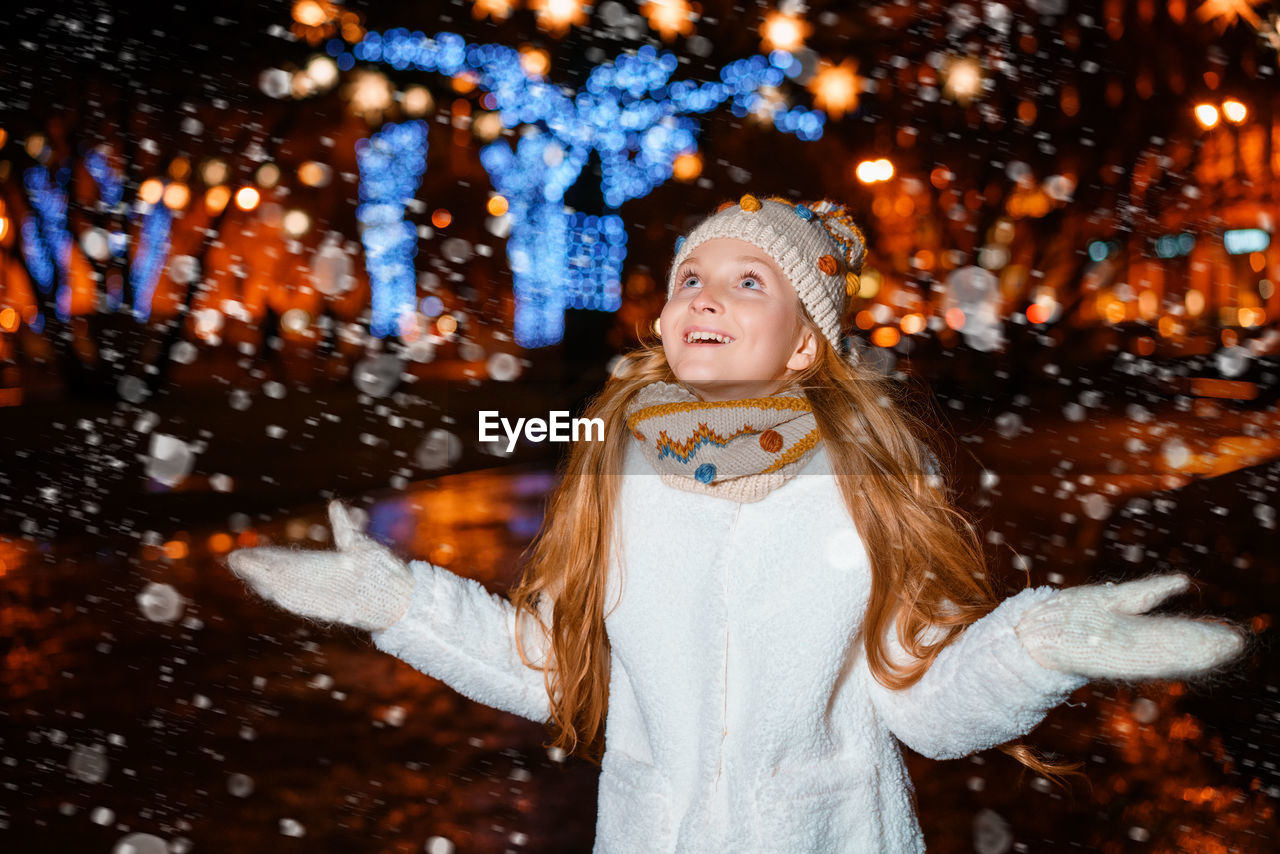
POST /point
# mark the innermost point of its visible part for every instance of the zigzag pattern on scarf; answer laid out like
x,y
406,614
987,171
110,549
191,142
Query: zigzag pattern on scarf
x,y
683,450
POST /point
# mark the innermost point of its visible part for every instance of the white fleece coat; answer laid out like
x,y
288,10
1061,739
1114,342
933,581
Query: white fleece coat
x,y
742,715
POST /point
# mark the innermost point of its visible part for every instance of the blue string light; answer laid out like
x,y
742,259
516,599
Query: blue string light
x,y
110,185
35,254
597,247
45,241
149,260
533,179
110,192
391,164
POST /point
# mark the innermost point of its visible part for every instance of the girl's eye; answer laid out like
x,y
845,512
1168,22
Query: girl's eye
x,y
746,277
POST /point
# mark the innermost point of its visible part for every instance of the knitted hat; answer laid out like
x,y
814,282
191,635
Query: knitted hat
x,y
817,245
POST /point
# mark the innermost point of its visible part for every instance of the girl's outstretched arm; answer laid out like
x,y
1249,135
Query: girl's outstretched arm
x,y
445,625
463,635
1002,675
982,690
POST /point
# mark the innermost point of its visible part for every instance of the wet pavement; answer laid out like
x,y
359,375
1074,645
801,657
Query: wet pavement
x,y
147,692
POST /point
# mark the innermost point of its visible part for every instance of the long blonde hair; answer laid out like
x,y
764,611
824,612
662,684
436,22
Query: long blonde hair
x,y
926,557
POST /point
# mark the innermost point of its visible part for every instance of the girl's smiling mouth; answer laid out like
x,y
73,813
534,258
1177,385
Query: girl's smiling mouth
x,y
706,336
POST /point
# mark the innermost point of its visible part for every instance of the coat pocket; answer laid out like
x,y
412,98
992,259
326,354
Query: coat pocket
x,y
829,806
633,809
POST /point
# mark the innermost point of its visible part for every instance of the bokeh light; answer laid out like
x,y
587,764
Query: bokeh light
x,y
151,191
497,205
268,176
247,198
783,31
176,196
1206,115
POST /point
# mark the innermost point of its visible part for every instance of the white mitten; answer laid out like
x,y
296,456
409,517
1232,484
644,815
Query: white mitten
x,y
362,584
1096,630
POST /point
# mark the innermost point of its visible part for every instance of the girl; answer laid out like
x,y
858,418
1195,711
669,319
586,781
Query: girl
x,y
752,590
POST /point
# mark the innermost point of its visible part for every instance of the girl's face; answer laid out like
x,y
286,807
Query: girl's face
x,y
732,289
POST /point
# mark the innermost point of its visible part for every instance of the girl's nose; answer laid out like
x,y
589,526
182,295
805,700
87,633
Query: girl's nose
x,y
705,300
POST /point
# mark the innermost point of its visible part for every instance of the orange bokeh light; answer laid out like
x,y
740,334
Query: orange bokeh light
x,y
312,173
216,198
176,196
687,167
886,336
247,198
835,87
309,13
151,191
220,543
782,31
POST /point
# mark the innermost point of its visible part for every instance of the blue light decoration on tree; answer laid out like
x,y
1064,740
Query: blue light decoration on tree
x,y
597,247
110,193
110,185
629,113
148,261
534,178
391,164
46,245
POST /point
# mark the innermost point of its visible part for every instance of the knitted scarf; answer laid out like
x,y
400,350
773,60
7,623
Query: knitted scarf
x,y
735,449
